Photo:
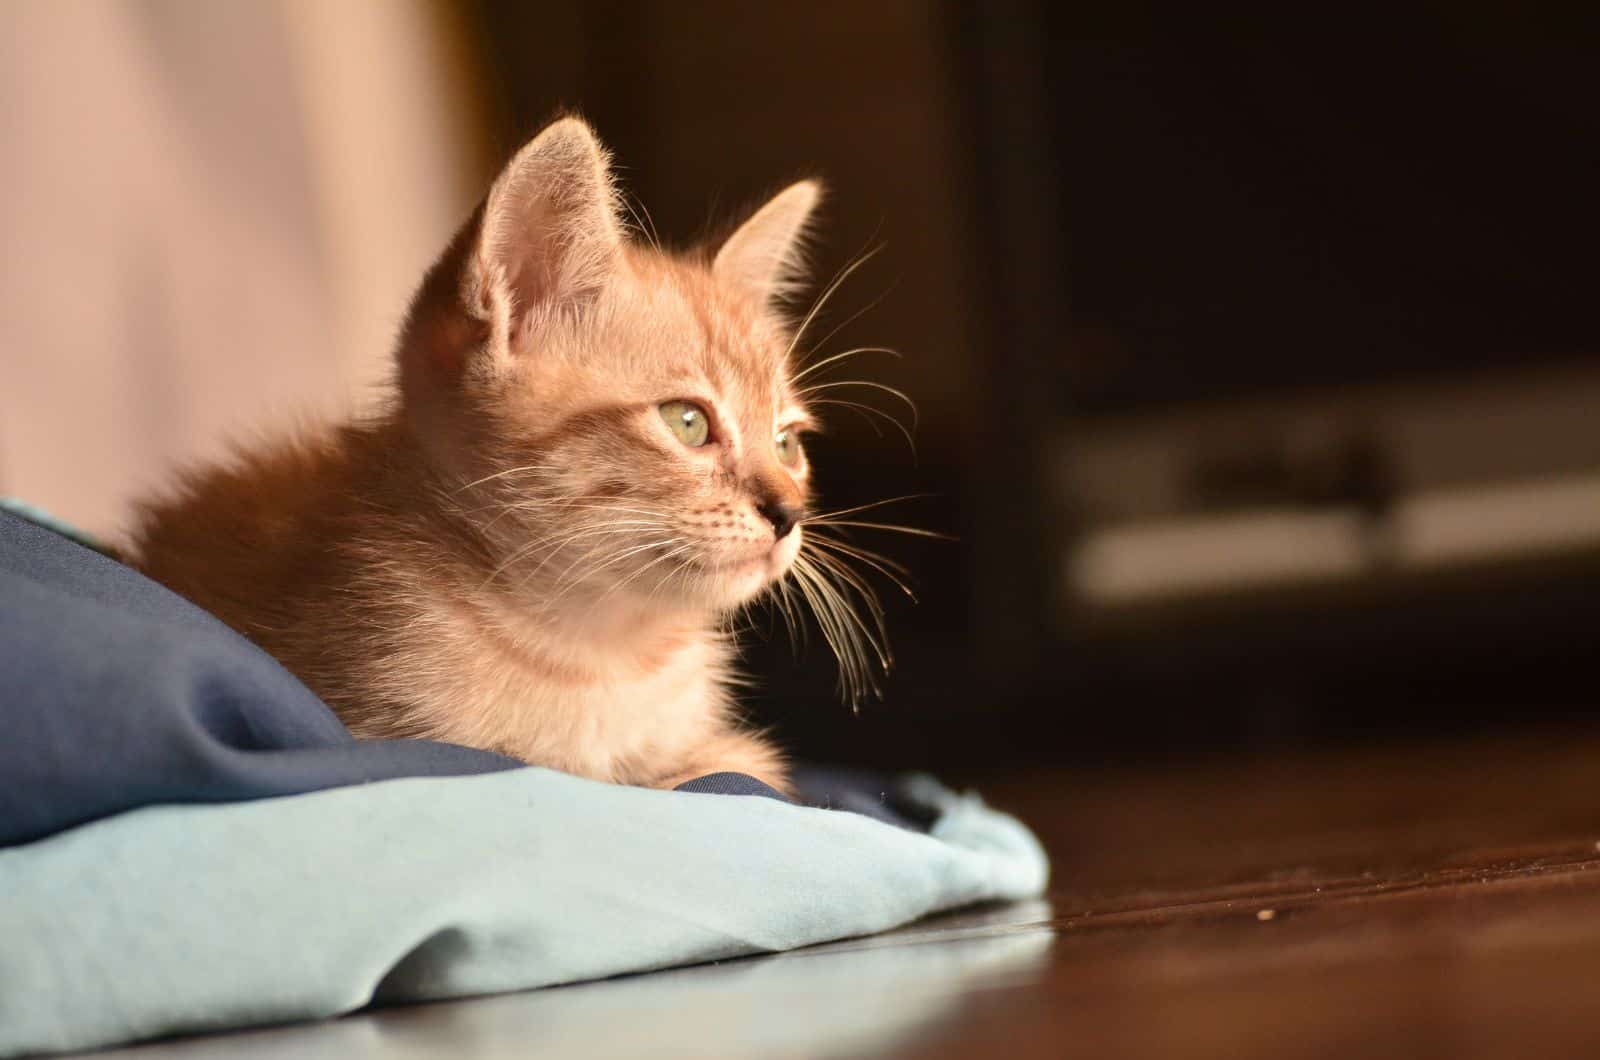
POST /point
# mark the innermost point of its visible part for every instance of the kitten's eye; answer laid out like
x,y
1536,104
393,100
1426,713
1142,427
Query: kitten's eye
x,y
688,421
787,443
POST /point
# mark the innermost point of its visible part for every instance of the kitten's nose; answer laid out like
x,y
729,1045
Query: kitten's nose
x,y
782,514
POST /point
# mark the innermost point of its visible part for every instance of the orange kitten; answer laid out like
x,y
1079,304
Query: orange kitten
x,y
594,459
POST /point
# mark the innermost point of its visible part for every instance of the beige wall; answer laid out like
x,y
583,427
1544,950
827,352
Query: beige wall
x,y
214,214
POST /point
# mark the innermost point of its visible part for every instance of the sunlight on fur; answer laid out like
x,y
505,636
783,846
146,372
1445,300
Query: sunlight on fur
x,y
593,463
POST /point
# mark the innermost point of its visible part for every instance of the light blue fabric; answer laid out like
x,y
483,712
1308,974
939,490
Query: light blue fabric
x,y
184,918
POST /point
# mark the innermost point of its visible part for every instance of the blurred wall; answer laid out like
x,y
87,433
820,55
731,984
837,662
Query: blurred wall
x,y
214,215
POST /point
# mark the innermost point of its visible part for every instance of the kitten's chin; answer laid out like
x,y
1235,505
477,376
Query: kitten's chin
x,y
733,582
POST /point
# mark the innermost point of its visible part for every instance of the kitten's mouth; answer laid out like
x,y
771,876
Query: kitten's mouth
x,y
770,564
738,566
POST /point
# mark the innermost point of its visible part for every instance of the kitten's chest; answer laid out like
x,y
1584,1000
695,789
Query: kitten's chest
x,y
620,714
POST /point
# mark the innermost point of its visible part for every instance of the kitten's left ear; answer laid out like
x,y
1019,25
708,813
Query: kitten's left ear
x,y
764,257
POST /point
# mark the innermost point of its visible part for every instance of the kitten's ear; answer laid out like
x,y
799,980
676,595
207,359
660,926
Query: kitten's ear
x,y
548,235
764,256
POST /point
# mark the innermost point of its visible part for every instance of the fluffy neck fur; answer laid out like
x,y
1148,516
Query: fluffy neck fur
x,y
520,555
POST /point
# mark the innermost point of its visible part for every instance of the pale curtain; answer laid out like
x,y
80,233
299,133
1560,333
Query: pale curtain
x,y
213,216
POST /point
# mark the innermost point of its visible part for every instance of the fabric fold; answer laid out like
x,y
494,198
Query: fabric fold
x,y
186,918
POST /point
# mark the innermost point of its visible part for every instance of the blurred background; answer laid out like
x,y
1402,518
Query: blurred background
x,y
1257,368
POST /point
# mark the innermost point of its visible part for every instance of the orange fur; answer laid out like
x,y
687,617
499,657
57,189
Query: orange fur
x,y
519,554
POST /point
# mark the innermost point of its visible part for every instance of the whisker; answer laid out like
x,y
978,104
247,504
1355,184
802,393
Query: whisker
x,y
791,620
888,564
634,207
806,580
827,292
566,582
864,507
851,319
901,394
891,570
777,597
538,504
819,365
558,542
671,575
845,631
583,506
503,474
869,597
861,410
896,528
858,408
630,578
593,530
614,559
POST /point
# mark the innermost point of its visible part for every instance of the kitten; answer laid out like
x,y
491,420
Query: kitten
x,y
594,458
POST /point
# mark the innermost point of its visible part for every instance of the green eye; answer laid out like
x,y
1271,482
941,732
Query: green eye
x,y
788,445
688,421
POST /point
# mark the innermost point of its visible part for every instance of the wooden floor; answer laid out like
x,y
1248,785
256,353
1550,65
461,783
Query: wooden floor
x,y
1419,902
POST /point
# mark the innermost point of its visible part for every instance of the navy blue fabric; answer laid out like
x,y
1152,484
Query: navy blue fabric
x,y
731,784
870,794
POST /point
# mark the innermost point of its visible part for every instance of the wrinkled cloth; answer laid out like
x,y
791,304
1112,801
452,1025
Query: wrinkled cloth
x,y
197,917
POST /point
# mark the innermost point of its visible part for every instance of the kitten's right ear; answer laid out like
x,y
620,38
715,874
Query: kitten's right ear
x,y
547,235
544,242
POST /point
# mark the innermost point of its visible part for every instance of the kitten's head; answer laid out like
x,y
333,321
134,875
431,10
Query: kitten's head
x,y
616,422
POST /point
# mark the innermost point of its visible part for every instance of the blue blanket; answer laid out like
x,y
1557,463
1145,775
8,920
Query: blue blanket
x,y
197,843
